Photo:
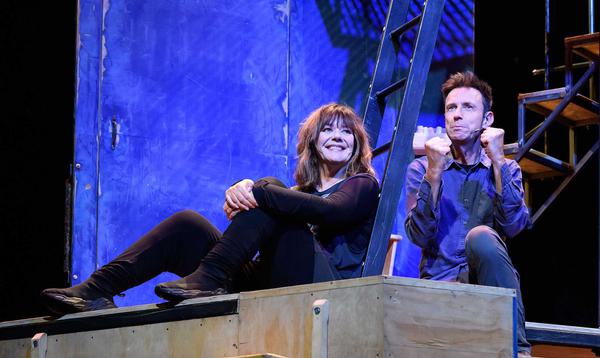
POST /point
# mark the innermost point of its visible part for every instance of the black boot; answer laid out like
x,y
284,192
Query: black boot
x,y
240,242
175,245
203,282
79,298
95,293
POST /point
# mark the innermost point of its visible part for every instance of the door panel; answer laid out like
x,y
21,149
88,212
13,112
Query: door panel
x,y
191,101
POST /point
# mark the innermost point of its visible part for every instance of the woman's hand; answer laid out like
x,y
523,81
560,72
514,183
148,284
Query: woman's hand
x,y
229,211
239,196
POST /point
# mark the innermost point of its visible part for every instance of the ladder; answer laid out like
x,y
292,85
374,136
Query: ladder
x,y
410,90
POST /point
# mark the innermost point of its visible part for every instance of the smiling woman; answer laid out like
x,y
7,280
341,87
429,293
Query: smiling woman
x,y
331,125
318,231
335,146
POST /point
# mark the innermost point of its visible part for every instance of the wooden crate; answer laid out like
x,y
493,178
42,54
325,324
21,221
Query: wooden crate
x,y
368,317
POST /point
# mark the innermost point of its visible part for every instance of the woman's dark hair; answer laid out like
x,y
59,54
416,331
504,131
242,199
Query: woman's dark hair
x,y
307,173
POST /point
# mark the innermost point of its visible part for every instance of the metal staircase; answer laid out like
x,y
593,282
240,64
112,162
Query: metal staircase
x,y
569,107
566,106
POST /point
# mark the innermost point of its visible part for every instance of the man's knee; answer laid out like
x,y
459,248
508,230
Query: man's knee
x,y
482,242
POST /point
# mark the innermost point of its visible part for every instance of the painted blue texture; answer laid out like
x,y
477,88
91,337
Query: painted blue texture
x,y
333,45
197,92
86,128
202,93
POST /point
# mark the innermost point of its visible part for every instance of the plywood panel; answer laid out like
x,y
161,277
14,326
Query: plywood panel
x,y
391,316
210,337
282,323
447,320
16,348
422,352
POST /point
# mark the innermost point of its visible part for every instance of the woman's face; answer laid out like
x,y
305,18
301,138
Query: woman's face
x,y
335,143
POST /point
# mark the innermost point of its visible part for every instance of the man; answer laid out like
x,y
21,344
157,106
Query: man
x,y
464,195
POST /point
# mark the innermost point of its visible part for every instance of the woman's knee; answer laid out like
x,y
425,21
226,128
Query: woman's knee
x,y
272,181
255,215
482,241
186,217
192,222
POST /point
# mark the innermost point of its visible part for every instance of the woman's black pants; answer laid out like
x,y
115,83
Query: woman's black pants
x,y
180,243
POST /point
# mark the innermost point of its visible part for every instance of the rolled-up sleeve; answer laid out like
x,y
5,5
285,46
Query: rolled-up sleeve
x,y
422,217
510,212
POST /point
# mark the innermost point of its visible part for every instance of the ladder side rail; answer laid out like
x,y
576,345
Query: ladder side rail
x,y
401,146
384,70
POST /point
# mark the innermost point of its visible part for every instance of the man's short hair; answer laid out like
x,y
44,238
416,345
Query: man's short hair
x,y
469,79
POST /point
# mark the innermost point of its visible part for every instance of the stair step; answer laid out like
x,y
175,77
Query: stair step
x,y
562,335
582,111
536,164
586,46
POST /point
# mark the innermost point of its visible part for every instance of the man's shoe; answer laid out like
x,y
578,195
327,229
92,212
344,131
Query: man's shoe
x,y
170,293
59,303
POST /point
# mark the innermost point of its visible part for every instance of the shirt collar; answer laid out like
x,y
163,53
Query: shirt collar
x,y
483,160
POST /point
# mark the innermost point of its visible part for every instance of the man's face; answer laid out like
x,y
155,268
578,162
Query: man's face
x,y
464,114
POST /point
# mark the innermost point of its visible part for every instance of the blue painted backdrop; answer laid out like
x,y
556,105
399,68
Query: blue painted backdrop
x,y
177,100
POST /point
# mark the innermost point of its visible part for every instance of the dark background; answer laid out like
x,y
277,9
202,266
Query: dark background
x,y
557,259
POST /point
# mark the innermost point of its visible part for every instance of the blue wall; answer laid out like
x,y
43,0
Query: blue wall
x,y
177,100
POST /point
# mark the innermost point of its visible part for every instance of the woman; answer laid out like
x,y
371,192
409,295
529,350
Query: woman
x,y
316,231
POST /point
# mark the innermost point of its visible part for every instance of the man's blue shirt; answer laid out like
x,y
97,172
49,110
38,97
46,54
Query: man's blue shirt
x,y
467,198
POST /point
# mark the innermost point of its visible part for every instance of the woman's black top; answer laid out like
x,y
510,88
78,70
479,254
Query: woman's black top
x,y
341,217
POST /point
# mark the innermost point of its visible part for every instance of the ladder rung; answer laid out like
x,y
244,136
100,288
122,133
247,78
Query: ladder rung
x,y
381,149
390,89
395,34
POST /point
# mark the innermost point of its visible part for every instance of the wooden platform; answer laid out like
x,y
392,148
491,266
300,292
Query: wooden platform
x,y
367,317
